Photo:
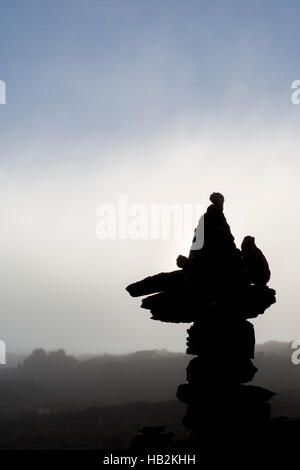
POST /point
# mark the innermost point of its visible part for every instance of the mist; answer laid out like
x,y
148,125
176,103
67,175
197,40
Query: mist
x,y
163,104
66,288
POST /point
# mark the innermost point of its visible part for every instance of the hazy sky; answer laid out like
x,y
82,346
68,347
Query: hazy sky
x,y
164,101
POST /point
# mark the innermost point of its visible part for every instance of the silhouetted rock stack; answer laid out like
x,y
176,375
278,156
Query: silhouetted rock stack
x,y
218,288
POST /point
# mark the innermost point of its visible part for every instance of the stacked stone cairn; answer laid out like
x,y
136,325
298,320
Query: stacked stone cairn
x,y
217,289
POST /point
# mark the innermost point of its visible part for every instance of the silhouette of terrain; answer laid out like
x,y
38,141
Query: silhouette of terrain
x,y
58,380
64,402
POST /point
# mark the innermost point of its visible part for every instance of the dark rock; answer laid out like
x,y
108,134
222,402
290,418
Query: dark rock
x,y
254,262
